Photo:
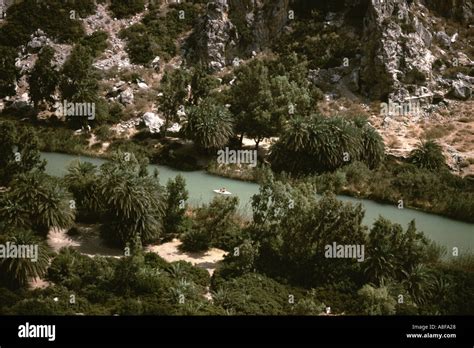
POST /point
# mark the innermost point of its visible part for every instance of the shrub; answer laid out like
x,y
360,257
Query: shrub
x,y
95,42
122,9
195,240
428,155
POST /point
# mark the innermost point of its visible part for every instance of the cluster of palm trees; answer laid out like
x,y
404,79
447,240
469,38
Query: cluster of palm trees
x,y
127,201
318,144
33,205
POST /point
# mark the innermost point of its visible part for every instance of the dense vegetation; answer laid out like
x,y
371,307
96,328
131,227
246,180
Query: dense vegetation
x,y
275,262
156,34
402,272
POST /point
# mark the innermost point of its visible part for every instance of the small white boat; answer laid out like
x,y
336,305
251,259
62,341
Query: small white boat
x,y
223,192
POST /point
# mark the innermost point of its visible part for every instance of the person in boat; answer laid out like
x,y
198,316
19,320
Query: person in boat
x,y
223,190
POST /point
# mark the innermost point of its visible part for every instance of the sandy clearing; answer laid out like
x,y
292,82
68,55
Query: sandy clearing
x,y
170,252
91,245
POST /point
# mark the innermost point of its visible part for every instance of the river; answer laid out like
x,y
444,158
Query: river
x,y
445,231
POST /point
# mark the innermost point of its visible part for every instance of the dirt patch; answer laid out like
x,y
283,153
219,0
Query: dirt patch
x,y
170,252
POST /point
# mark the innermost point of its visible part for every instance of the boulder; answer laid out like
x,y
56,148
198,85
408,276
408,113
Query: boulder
x,y
443,39
461,89
152,121
126,97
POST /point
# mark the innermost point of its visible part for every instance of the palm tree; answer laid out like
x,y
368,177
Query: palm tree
x,y
428,155
316,144
82,182
209,125
373,149
133,204
18,271
419,283
47,202
12,214
381,263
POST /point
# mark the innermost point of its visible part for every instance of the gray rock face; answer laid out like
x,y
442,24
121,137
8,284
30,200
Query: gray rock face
x,y
126,97
265,20
396,52
455,9
215,37
37,40
217,41
461,89
443,39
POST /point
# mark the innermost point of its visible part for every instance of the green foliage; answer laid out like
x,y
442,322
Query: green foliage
x,y
261,103
53,17
78,81
253,294
195,240
18,271
44,78
211,225
42,199
122,9
73,270
209,125
157,34
62,140
376,301
174,92
393,253
201,85
318,144
95,42
132,200
175,206
19,152
428,155
293,227
324,45
82,181
9,73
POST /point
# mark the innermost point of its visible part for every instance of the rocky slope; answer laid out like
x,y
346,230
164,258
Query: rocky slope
x,y
403,51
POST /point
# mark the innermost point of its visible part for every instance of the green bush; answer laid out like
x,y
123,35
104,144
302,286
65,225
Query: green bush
x,y
122,9
195,240
53,17
95,42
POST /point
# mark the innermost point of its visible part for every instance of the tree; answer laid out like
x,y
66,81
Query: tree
x,y
293,228
260,103
209,125
95,42
428,155
201,85
9,73
373,148
123,9
82,181
392,252
19,152
376,301
175,205
78,79
173,94
17,271
419,283
133,204
44,78
210,223
47,202
316,144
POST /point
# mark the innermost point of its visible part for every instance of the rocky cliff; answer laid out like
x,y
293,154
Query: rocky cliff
x,y
403,50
